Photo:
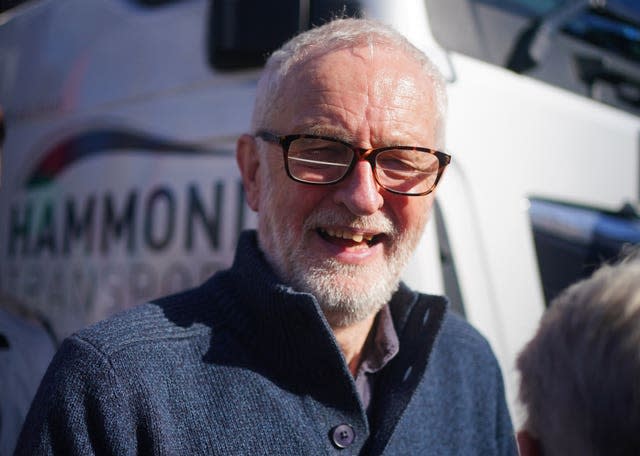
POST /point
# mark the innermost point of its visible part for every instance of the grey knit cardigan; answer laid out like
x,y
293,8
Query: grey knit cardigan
x,y
244,365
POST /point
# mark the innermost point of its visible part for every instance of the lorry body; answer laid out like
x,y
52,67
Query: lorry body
x,y
119,182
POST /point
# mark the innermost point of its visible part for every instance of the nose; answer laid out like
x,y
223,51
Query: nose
x,y
360,192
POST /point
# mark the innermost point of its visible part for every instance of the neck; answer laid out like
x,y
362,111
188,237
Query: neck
x,y
352,340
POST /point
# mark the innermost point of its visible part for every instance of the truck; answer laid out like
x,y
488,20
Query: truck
x,y
119,182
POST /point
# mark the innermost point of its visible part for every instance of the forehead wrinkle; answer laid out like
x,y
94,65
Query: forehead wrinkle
x,y
330,115
398,125
366,104
339,97
404,103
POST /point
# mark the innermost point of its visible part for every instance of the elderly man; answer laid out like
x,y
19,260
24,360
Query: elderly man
x,y
580,374
309,344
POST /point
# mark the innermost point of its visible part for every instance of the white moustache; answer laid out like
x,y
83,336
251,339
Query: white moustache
x,y
377,223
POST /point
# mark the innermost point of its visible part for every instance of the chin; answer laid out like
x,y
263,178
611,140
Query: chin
x,y
347,295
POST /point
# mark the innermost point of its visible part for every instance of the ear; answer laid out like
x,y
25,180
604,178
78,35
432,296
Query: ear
x,y
527,444
249,162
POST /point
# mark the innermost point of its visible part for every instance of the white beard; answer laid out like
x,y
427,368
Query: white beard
x,y
346,293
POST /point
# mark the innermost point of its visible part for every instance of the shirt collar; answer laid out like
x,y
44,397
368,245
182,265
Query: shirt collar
x,y
385,343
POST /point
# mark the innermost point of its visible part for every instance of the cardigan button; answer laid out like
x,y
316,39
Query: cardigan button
x,y
342,435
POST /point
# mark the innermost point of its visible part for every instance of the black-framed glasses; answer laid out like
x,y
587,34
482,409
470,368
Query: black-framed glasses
x,y
322,160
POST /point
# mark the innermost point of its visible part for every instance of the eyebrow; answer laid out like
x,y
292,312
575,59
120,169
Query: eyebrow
x,y
342,134
328,130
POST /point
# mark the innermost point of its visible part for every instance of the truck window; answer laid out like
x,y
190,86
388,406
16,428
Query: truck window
x,y
231,48
571,240
592,50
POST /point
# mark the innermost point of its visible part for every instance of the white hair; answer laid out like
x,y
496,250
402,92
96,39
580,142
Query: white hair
x,y
580,374
335,35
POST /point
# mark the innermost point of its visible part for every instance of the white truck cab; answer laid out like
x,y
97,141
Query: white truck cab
x,y
119,181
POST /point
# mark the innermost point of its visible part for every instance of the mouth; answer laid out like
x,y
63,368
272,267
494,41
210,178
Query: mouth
x,y
350,238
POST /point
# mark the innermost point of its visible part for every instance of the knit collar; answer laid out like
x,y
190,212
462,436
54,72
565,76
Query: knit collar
x,y
261,324
285,330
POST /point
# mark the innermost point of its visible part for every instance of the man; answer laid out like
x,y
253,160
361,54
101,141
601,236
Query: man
x,y
309,344
581,372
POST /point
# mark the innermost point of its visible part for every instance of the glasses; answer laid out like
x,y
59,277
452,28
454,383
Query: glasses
x,y
322,160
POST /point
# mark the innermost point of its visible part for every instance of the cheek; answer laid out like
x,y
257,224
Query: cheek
x,y
303,201
290,203
274,187
411,213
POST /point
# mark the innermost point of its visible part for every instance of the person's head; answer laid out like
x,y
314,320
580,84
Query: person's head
x,y
354,82
580,374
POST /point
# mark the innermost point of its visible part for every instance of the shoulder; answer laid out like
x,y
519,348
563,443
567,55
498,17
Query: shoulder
x,y
184,316
458,331
453,334
462,349
125,357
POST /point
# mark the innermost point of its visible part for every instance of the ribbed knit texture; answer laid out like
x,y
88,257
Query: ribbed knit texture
x,y
244,365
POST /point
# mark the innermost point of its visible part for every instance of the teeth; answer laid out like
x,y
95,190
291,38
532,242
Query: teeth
x,y
355,237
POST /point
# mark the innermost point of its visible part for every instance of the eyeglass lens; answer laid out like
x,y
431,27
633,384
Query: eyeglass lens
x,y
323,161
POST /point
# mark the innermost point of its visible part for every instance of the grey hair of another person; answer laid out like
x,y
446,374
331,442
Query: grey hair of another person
x,y
332,36
580,374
